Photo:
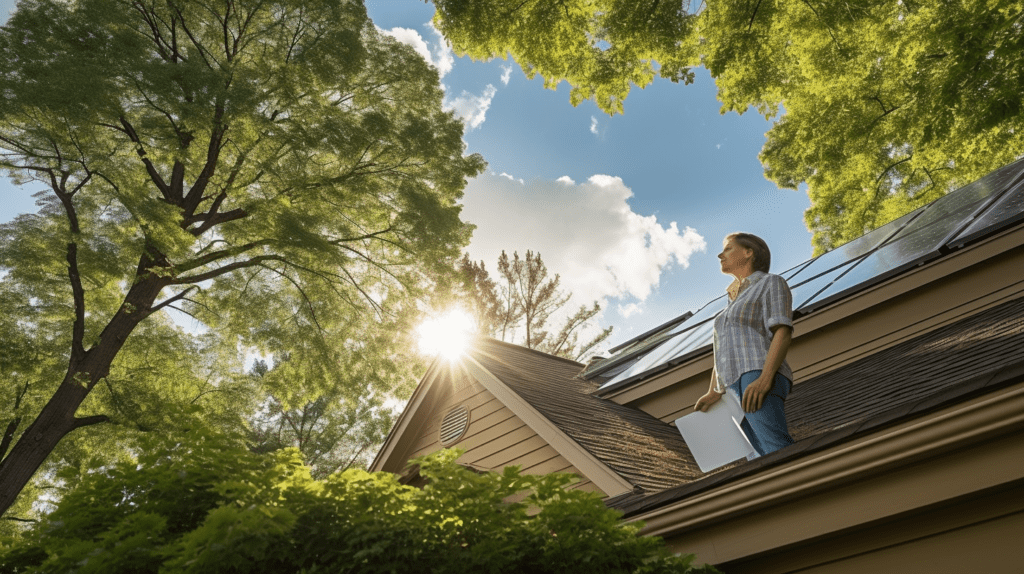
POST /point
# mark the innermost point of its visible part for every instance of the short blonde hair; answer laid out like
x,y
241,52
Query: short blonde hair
x,y
762,255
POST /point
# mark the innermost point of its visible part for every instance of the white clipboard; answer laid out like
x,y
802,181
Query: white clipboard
x,y
715,437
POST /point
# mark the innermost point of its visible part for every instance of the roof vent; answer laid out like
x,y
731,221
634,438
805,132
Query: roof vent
x,y
454,425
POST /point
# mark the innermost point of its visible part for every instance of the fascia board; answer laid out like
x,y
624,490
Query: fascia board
x,y
402,424
997,414
599,473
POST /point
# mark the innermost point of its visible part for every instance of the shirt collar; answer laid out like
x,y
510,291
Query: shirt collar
x,y
738,286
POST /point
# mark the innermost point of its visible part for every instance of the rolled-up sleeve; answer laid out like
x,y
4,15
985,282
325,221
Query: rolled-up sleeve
x,y
778,303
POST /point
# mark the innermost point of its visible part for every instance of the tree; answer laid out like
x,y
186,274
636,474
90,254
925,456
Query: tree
x,y
335,431
888,105
518,308
270,168
206,504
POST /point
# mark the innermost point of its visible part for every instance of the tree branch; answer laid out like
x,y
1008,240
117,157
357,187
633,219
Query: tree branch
x,y
16,519
223,253
753,14
89,421
150,169
78,294
226,269
167,302
12,427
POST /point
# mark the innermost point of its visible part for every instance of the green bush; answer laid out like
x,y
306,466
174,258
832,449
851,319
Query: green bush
x,y
207,504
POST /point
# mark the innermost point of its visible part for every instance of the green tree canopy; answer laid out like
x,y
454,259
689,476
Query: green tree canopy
x,y
207,504
271,168
888,104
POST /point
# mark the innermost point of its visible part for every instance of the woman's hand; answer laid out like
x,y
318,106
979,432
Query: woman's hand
x,y
705,402
754,395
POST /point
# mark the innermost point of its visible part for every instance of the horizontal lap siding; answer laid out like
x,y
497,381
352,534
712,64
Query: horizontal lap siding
x,y
495,438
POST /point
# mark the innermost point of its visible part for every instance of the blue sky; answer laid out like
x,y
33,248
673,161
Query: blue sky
x,y
619,206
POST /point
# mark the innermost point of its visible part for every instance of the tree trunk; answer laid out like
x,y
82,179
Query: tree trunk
x,y
57,418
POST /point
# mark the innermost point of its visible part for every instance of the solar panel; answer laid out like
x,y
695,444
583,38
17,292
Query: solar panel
x,y
889,260
676,348
1006,210
854,249
794,270
706,312
962,204
803,292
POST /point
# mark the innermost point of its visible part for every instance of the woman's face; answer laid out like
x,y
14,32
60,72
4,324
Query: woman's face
x,y
734,257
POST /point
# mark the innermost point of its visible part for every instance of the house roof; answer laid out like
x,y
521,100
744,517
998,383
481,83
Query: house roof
x,y
640,448
972,356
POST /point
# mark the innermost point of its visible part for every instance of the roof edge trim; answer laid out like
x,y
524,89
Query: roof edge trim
x,y
398,429
598,472
996,414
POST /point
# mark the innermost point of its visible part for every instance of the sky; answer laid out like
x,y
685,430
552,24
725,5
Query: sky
x,y
628,210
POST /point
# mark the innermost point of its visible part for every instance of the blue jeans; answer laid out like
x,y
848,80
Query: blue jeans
x,y
766,428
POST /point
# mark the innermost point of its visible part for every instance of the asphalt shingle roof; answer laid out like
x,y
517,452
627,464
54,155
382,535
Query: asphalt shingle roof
x,y
643,450
971,356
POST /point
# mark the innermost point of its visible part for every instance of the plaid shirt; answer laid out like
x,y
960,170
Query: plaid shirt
x,y
743,330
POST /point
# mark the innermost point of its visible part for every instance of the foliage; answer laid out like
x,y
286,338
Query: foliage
x,y
517,308
340,428
278,170
887,104
206,504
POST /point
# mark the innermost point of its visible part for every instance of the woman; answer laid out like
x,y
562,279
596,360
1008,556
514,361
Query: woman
x,y
752,337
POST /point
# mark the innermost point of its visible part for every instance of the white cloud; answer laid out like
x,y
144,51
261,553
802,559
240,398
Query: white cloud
x,y
627,310
506,74
586,232
440,57
470,108
593,125
511,177
444,58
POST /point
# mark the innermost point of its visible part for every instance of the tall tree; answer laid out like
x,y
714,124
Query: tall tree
x,y
518,307
887,104
333,406
263,166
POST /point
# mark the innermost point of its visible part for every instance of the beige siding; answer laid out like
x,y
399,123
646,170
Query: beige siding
x,y
495,438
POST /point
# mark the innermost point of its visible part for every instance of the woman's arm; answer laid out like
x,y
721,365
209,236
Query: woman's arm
x,y
711,397
754,396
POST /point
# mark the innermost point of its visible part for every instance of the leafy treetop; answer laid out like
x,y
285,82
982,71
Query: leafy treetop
x,y
275,169
887,105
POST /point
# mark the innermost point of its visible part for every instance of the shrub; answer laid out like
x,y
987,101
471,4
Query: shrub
x,y
207,504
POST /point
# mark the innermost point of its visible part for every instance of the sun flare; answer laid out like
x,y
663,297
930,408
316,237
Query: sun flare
x,y
446,335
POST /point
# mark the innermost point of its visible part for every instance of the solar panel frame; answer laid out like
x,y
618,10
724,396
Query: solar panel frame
x,y
855,249
807,290
796,269
981,226
679,348
709,311
840,287
652,332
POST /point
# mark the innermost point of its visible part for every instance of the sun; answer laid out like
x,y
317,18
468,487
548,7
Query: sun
x,y
446,335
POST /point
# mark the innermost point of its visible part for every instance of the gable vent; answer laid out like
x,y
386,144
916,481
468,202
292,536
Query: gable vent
x,y
454,425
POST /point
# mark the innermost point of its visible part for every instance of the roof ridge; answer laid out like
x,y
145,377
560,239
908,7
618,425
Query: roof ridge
x,y
529,350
